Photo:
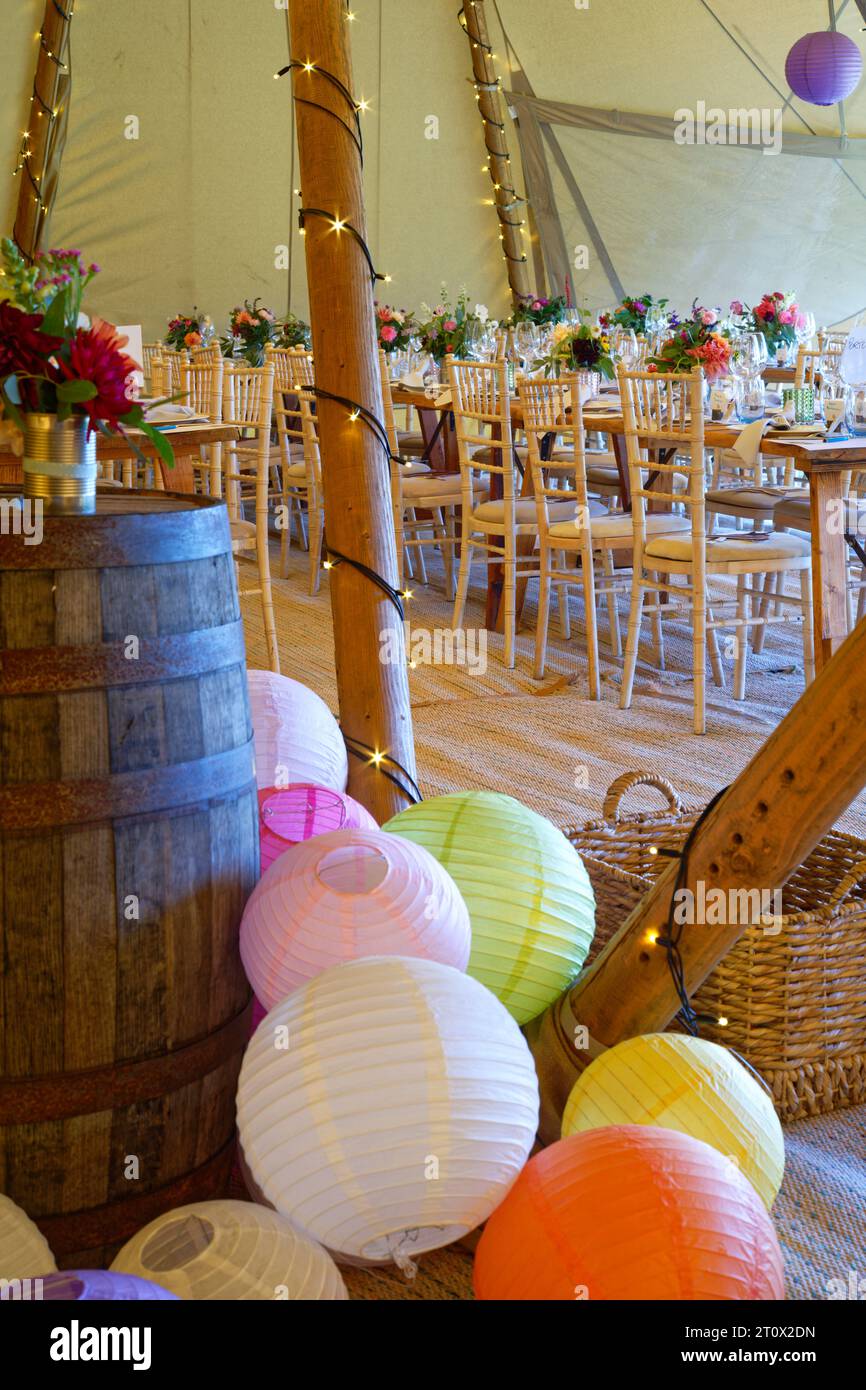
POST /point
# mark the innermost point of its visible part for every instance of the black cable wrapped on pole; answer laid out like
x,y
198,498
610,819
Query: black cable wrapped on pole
x,y
373,694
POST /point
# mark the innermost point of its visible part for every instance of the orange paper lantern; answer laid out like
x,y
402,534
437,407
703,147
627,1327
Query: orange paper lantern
x,y
630,1212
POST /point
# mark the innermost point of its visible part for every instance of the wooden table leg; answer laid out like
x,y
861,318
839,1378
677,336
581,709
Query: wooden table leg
x,y
617,442
440,440
829,565
181,478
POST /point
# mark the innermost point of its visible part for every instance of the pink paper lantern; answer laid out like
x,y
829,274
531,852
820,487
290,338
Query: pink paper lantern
x,y
345,895
297,739
97,1285
824,68
288,815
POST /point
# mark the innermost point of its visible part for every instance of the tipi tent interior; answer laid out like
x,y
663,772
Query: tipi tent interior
x,y
432,573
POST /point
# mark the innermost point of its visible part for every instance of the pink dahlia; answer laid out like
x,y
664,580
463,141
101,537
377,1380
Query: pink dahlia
x,y
96,354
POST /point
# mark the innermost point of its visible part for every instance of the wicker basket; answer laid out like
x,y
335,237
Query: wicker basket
x,y
794,1000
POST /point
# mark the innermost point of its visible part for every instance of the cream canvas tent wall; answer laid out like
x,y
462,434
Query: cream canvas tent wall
x,y
178,172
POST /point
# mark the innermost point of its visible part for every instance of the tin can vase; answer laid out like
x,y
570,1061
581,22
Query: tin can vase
x,y
60,463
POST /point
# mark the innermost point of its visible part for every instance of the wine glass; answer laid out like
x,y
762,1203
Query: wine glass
x,y
526,343
625,347
806,329
473,340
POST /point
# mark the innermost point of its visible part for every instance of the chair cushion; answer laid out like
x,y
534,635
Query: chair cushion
x,y
435,485
747,499
297,470
242,531
795,511
486,454
734,548
602,473
416,469
612,525
525,513
410,442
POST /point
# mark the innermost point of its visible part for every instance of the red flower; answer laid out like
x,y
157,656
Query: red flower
x,y
22,347
95,354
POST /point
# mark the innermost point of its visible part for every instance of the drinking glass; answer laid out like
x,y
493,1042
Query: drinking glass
x,y
473,340
625,348
526,344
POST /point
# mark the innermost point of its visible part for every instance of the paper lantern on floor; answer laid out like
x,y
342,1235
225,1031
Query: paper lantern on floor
x,y
630,1212
24,1251
398,1114
824,68
530,901
341,896
686,1084
288,815
92,1285
231,1250
297,739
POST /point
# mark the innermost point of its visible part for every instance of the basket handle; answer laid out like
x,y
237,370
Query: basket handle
x,y
617,790
841,891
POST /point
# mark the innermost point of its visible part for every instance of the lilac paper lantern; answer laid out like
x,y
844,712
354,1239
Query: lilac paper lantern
x,y
297,739
290,815
347,895
101,1285
824,68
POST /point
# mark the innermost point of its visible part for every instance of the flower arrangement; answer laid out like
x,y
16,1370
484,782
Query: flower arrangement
x,y
251,328
54,361
632,313
32,288
443,329
778,316
189,331
395,328
539,311
696,343
582,349
293,332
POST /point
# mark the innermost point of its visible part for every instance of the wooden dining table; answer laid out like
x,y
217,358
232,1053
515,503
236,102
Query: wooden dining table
x,y
824,462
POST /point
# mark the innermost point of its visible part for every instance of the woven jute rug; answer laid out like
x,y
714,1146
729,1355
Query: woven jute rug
x,y
546,743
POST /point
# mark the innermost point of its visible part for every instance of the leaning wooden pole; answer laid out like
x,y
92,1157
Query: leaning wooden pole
x,y
372,685
38,161
510,208
762,828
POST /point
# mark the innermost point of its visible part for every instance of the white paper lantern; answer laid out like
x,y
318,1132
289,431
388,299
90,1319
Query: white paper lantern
x,y
297,739
344,895
24,1251
231,1250
387,1106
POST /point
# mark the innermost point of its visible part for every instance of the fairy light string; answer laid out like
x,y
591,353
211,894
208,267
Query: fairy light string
x,y
492,88
384,763
45,111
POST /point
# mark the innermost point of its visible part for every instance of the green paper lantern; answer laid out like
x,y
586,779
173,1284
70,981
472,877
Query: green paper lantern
x,y
530,900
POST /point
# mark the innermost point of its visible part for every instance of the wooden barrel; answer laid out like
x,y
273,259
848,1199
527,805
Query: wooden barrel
x,y
128,847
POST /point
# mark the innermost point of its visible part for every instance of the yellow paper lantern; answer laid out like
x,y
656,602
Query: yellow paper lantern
x,y
24,1251
689,1085
530,901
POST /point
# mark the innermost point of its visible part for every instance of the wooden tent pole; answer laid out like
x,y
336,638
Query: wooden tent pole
x,y
372,678
38,161
510,208
760,830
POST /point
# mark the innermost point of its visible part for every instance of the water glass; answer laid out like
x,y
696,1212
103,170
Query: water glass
x,y
751,399
855,408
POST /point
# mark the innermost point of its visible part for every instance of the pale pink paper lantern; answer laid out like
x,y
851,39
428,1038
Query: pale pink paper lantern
x,y
297,739
289,815
342,896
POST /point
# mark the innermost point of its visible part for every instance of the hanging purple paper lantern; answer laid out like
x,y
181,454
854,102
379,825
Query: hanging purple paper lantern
x,y
824,68
97,1285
